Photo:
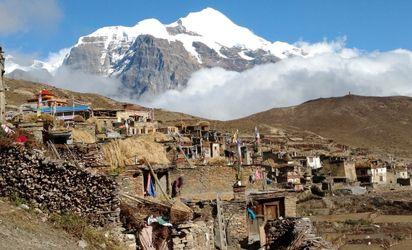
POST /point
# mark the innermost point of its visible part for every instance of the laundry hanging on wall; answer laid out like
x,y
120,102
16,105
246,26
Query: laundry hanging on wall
x,y
150,188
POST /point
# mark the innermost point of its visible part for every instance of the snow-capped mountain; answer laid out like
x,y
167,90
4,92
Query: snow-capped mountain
x,y
35,70
152,57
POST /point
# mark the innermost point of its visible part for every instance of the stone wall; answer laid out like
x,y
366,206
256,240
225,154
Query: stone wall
x,y
290,206
212,179
197,235
236,220
132,183
57,186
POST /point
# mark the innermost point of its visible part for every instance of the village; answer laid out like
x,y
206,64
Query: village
x,y
184,184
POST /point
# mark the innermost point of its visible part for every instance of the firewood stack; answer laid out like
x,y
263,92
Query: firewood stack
x,y
58,186
89,155
280,232
293,233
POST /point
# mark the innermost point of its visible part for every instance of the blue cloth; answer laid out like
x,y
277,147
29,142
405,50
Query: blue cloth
x,y
251,214
151,190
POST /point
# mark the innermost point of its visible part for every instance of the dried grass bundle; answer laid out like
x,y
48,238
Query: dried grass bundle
x,y
82,136
119,153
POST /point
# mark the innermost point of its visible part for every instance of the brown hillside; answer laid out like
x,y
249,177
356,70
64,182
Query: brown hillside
x,y
20,91
381,123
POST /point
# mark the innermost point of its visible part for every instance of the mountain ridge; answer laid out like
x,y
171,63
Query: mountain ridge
x,y
151,57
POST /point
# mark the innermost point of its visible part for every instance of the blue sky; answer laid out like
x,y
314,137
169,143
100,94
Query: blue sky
x,y
367,25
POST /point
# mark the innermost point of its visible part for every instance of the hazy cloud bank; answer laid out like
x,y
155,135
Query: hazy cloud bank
x,y
330,69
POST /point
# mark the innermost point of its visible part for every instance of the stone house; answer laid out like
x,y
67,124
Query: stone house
x,y
169,130
379,175
339,169
134,180
402,175
313,162
373,172
215,150
289,173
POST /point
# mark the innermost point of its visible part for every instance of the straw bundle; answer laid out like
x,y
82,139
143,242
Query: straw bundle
x,y
218,161
82,136
98,123
119,153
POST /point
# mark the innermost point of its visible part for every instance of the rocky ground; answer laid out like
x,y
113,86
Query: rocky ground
x,y
25,229
377,220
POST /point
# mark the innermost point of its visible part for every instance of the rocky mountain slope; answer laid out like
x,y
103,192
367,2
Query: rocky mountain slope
x,y
152,57
380,123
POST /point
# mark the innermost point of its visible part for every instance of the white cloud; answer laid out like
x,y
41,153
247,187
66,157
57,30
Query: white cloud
x,y
330,69
23,15
55,59
78,81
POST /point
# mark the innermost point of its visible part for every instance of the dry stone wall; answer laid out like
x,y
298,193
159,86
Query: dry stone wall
x,y
212,179
57,186
196,235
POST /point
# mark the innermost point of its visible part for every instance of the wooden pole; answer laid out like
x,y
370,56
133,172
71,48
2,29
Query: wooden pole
x,y
157,182
2,90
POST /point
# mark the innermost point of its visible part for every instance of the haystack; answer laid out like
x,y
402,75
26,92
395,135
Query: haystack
x,y
218,161
98,123
160,137
122,152
83,136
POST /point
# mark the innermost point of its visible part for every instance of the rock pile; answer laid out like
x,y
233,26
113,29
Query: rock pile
x,y
58,186
194,235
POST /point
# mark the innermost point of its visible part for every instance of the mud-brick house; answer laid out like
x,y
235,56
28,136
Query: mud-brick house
x,y
339,169
136,179
193,128
168,130
129,120
313,162
402,176
289,173
215,150
278,157
137,120
372,172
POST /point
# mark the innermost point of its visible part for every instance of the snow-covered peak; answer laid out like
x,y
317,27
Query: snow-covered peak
x,y
148,26
207,26
50,64
215,26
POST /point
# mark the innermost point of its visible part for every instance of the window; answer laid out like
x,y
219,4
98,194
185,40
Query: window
x,y
381,178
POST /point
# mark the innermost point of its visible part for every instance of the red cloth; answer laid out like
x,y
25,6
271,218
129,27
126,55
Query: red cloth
x,y
21,138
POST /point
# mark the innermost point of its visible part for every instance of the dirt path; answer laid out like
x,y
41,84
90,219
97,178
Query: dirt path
x,y
20,229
